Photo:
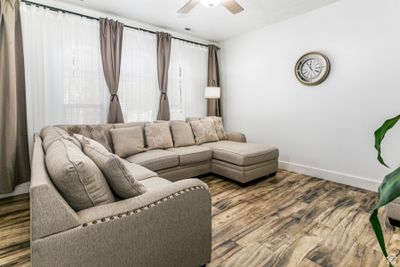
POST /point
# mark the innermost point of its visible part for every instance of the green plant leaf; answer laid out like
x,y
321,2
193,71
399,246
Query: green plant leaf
x,y
387,192
380,134
376,226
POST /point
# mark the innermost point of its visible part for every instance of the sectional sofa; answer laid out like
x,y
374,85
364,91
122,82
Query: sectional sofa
x,y
167,225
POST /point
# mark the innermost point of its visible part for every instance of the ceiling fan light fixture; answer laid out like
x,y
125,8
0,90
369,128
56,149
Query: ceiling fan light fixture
x,y
210,3
232,5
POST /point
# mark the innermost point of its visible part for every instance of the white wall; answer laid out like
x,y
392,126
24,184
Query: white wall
x,y
327,130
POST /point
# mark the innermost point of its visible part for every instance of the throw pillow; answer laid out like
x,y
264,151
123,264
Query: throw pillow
x,y
51,134
100,133
76,176
121,180
128,141
182,134
158,135
204,131
219,128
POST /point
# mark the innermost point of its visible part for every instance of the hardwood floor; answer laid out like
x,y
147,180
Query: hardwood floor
x,y
287,220
14,231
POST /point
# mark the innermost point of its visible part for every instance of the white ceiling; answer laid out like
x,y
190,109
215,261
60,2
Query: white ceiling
x,y
214,24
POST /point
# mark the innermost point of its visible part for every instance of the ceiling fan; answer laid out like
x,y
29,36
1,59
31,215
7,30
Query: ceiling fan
x,y
231,5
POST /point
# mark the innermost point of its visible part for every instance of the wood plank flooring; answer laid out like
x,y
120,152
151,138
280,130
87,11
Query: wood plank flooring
x,y
14,231
294,220
287,220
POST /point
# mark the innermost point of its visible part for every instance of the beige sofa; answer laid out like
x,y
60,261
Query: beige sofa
x,y
232,158
169,225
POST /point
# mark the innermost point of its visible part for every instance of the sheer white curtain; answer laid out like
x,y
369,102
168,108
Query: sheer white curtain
x,y
187,80
64,76
138,84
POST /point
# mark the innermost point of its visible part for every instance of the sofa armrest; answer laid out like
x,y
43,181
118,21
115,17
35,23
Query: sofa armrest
x,y
137,204
166,227
236,137
50,213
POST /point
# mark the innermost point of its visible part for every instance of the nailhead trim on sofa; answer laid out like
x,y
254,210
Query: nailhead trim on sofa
x,y
129,213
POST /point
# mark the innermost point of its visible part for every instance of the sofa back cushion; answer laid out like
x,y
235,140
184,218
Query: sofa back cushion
x,y
128,141
130,124
120,179
182,134
76,176
158,135
189,119
204,131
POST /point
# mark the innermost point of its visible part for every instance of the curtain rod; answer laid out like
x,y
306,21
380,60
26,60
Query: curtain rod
x,y
94,18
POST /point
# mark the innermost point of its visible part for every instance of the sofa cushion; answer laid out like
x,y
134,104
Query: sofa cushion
x,y
242,154
97,132
120,178
192,154
156,159
182,134
219,128
51,134
218,124
141,173
76,176
155,183
204,130
158,135
128,141
189,119
130,124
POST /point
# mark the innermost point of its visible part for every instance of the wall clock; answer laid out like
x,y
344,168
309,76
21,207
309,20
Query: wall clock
x,y
312,68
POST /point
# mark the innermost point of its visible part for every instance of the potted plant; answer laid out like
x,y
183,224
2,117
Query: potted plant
x,y
388,190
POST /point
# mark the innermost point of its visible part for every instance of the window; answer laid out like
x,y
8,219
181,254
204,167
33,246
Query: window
x,y
85,92
65,81
187,80
138,84
63,69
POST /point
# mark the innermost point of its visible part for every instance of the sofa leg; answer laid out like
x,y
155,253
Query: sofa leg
x,y
394,222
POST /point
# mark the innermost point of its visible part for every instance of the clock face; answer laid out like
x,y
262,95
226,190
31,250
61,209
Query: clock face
x,y
312,68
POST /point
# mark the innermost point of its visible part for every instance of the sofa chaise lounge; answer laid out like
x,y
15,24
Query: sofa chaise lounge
x,y
169,225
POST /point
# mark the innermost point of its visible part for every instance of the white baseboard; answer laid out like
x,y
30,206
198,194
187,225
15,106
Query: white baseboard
x,y
343,178
19,190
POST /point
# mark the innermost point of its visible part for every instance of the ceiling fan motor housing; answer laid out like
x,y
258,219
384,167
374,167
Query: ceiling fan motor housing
x,y
210,3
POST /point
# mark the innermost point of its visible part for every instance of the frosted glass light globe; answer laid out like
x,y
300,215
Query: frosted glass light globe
x,y
210,3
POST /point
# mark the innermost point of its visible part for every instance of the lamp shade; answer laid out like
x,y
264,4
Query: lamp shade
x,y
213,92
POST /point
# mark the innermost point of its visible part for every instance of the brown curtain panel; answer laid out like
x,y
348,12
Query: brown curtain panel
x,y
14,154
163,56
111,48
213,105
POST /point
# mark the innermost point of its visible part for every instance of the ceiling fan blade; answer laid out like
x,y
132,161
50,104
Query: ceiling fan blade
x,y
232,6
188,6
